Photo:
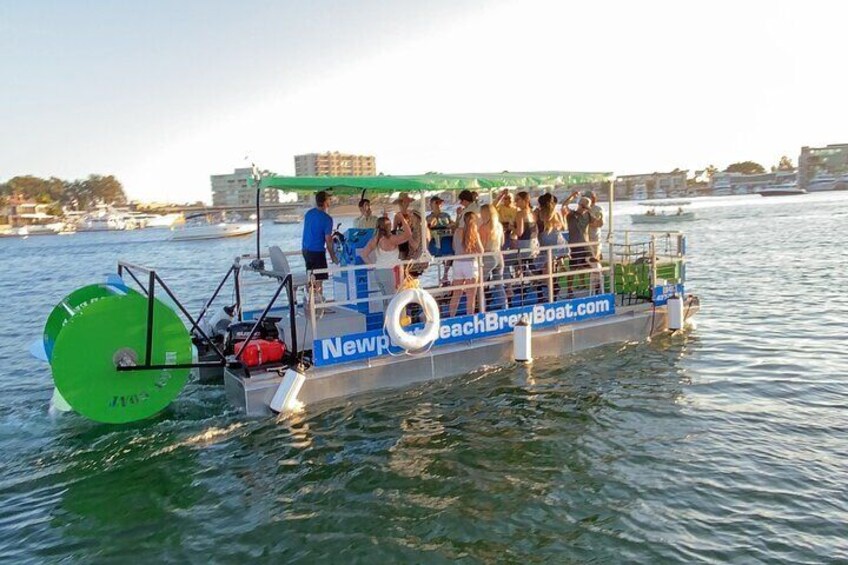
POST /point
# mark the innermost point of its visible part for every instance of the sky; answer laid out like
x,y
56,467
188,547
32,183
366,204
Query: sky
x,y
163,94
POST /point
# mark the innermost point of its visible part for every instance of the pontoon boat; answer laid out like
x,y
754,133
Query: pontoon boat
x,y
122,349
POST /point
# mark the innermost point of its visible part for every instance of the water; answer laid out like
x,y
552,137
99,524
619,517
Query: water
x,y
726,443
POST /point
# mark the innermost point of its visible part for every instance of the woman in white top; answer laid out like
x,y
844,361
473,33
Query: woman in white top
x,y
466,241
384,245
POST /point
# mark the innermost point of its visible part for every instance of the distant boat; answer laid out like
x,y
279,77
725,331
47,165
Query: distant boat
x,y
821,183
108,222
788,189
659,213
145,220
212,231
288,219
202,226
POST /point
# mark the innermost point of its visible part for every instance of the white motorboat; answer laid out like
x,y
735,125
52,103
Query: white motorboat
x,y
108,222
212,231
821,183
660,213
287,219
788,189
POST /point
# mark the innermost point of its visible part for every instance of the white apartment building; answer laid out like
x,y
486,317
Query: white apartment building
x,y
234,190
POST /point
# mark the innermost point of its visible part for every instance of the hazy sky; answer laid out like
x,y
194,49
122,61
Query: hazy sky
x,y
163,94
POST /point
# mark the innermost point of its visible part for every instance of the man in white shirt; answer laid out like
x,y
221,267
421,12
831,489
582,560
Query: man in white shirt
x,y
366,220
596,222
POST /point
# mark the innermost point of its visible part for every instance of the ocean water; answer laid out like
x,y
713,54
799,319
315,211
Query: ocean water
x,y
725,442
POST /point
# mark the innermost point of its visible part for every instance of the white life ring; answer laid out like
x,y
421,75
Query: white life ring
x,y
397,307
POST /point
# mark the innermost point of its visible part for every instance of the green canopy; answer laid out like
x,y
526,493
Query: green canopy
x,y
388,184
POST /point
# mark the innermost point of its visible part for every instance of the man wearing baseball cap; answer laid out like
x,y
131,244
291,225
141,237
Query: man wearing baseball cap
x,y
578,232
437,219
596,223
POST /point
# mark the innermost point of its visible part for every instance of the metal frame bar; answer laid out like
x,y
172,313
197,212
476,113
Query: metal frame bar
x,y
215,294
150,292
286,283
151,286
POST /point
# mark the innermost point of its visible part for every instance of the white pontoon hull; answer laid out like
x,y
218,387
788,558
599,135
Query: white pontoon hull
x,y
254,394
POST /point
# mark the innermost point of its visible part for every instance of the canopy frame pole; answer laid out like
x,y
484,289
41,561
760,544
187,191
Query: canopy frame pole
x,y
424,251
257,178
611,206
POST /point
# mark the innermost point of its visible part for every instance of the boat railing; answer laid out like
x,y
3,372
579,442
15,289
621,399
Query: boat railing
x,y
632,266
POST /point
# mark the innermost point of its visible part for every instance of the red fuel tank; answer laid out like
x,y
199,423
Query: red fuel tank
x,y
261,352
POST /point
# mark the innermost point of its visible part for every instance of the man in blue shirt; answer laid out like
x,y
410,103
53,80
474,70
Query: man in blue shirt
x,y
318,238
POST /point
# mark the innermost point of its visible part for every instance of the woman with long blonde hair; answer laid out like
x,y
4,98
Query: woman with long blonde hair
x,y
492,238
386,249
551,225
466,241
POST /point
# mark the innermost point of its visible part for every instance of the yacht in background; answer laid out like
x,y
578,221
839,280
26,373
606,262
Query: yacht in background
x,y
286,219
104,218
785,189
820,183
204,226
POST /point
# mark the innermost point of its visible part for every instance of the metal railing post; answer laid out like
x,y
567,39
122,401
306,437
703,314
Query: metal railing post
x,y
312,316
612,267
550,275
653,263
481,292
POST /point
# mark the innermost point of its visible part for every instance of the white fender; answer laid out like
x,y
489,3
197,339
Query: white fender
x,y
396,309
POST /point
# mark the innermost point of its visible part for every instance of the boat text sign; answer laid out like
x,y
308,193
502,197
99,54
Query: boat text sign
x,y
375,343
662,292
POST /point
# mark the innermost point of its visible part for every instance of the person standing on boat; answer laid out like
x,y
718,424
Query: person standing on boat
x,y
506,212
318,238
551,226
467,203
441,226
492,238
366,220
578,221
437,219
403,202
597,222
386,249
525,236
466,241
416,248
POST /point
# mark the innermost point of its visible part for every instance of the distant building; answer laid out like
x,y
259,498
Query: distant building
x,y
334,164
652,185
22,213
233,190
823,165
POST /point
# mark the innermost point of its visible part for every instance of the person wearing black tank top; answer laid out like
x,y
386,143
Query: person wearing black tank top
x,y
525,238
